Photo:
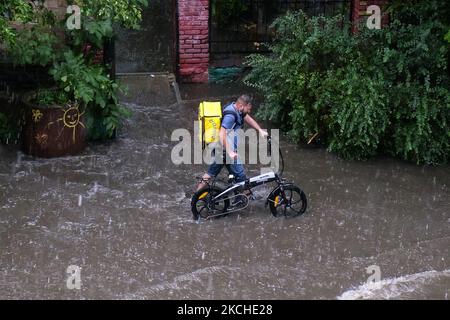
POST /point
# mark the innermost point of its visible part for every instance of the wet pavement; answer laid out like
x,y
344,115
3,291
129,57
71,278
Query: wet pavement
x,y
120,212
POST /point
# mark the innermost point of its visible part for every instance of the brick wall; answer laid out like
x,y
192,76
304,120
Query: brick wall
x,y
360,11
193,30
59,7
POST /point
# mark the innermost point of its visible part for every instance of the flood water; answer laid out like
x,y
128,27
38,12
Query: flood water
x,y
120,212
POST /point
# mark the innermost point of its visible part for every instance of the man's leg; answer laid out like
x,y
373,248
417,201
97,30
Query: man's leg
x,y
237,169
213,171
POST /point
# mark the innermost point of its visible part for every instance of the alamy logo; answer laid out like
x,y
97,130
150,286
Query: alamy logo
x,y
374,21
74,279
189,150
74,20
375,273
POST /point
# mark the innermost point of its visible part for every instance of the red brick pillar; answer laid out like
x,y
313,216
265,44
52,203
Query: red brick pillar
x,y
193,18
360,11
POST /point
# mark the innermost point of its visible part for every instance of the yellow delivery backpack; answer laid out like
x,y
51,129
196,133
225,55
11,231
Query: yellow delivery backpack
x,y
209,118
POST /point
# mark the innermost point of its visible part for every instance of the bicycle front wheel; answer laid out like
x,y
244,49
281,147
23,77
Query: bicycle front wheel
x,y
290,202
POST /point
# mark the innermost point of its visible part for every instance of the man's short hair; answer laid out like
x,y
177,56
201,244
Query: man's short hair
x,y
246,99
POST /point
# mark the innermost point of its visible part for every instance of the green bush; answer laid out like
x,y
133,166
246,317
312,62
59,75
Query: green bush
x,y
33,47
378,91
416,53
12,10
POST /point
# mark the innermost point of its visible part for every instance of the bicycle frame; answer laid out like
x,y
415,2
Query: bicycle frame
x,y
252,183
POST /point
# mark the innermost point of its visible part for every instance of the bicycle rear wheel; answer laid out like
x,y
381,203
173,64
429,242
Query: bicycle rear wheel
x,y
202,205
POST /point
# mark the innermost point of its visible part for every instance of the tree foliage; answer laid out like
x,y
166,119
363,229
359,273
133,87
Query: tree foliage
x,y
46,41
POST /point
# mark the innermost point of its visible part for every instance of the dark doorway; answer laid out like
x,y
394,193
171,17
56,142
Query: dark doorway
x,y
153,48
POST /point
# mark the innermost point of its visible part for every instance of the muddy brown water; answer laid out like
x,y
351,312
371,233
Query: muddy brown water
x,y
119,211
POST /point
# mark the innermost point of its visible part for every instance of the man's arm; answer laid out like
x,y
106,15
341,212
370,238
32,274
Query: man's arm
x,y
252,123
225,144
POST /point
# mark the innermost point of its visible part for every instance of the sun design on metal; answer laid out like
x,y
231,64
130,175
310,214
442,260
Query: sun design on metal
x,y
71,119
37,115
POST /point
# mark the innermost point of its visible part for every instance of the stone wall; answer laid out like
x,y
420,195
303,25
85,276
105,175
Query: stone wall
x,y
152,48
59,7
